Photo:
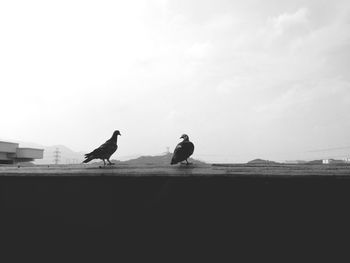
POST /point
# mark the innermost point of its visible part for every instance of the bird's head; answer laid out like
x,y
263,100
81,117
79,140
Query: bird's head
x,y
185,137
116,133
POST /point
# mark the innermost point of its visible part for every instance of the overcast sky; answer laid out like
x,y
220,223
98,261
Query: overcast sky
x,y
244,79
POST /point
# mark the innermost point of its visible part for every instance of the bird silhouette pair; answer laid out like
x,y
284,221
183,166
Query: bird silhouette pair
x,y
181,153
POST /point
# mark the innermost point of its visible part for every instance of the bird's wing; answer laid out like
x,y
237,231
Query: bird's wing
x,y
189,148
105,149
177,154
178,147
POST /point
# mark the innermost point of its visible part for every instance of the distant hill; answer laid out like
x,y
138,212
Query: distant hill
x,y
67,156
261,162
315,162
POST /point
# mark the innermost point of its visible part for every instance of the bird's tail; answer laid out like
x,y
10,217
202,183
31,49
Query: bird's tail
x,y
88,158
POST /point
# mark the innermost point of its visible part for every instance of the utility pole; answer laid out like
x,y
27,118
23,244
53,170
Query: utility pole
x,y
56,156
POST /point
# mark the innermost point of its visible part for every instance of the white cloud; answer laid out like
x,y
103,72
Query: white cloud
x,y
221,22
199,50
286,21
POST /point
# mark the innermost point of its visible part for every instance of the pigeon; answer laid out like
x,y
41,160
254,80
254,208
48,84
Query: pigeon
x,y
183,150
105,151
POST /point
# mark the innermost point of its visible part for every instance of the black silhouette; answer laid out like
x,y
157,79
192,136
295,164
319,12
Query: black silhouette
x,y
183,150
105,151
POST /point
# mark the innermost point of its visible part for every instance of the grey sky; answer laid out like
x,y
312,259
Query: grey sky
x,y
243,79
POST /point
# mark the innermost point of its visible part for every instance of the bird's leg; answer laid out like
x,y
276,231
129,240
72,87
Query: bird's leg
x,y
109,162
104,163
187,163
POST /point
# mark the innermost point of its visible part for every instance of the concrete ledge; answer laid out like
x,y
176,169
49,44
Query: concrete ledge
x,y
165,213
280,170
94,202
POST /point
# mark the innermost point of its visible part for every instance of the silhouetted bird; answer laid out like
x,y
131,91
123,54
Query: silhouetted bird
x,y
183,150
105,151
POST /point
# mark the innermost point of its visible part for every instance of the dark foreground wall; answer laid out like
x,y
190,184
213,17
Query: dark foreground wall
x,y
253,216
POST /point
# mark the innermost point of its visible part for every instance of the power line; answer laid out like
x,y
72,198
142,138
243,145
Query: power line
x,y
57,156
330,149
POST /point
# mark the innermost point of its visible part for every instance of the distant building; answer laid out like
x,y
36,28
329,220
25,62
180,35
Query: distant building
x,y
333,161
10,153
346,160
